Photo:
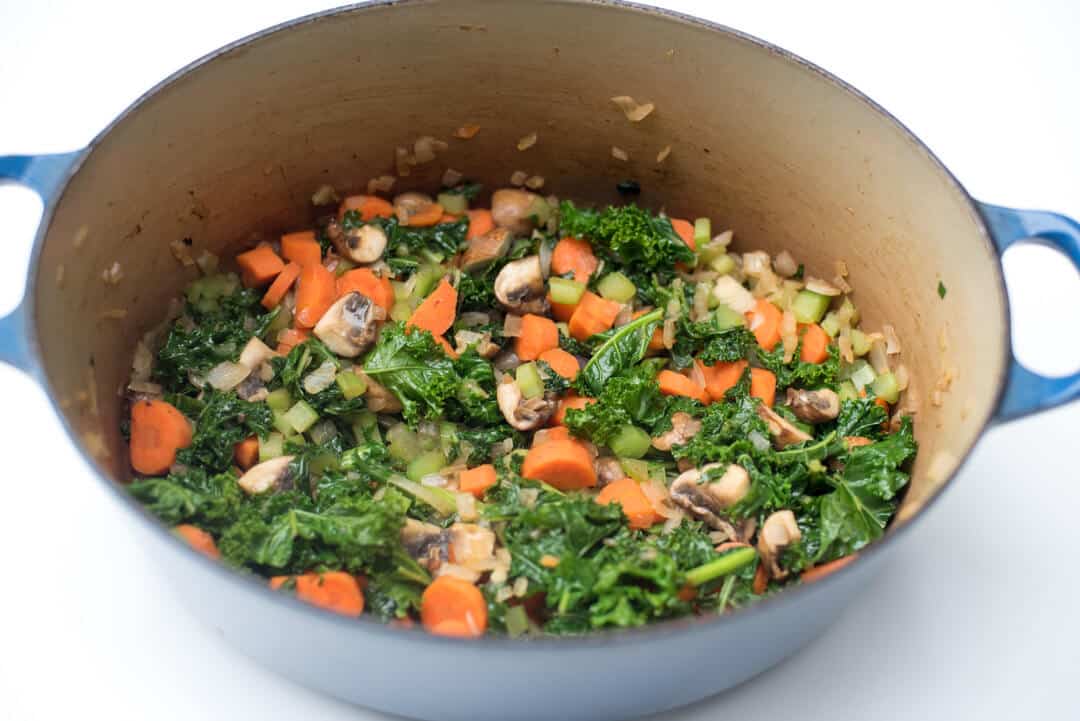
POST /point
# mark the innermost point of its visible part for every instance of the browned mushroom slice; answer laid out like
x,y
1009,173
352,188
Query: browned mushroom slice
x,y
484,249
783,432
273,474
426,543
608,470
463,339
683,427
777,533
516,210
814,406
378,397
349,326
522,413
707,502
519,286
409,204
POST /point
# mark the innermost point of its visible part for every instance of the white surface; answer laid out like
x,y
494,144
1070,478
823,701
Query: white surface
x,y
976,617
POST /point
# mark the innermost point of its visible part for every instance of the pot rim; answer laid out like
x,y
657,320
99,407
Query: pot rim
x,y
594,639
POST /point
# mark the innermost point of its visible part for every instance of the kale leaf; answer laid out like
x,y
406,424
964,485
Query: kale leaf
x,y
808,376
627,235
224,421
622,350
193,496
303,359
415,370
860,417
443,240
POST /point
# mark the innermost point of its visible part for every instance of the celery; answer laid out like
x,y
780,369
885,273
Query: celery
x,y
702,231
529,381
630,442
453,203
847,392
831,324
863,377
427,277
402,443
281,422
517,621
809,307
351,385
271,447
728,563
279,400
860,343
365,427
635,468
322,432
886,387
565,291
440,499
722,264
728,318
301,416
282,319
425,464
324,462
401,311
617,287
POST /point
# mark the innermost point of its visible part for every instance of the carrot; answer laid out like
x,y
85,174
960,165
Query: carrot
x,y
687,593
676,384
452,606
561,311
301,248
685,230
560,361
635,504
246,452
281,285
480,222
763,385
593,315
448,218
277,582
315,293
445,345
158,431
289,338
259,266
818,572
477,480
198,539
765,323
856,441
722,377
405,622
574,255
437,312
544,435
335,591
815,345
369,207
566,465
761,580
570,401
883,404
429,216
538,334
363,281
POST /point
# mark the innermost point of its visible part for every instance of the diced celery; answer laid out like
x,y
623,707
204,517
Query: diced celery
x,y
722,264
453,203
425,464
343,266
282,423
351,385
707,252
863,377
428,435
403,444
886,387
296,439
324,462
702,231
427,277
860,343
517,621
401,311
635,468
205,292
658,473
565,291
271,447
279,400
301,416
433,256
539,209
630,442
322,432
848,308
847,391
809,307
448,437
830,324
529,380
365,427
401,290
617,287
728,318
440,499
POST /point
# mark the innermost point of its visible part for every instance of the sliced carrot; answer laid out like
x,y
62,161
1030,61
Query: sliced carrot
x,y
198,539
289,338
765,323
722,377
246,452
657,340
363,281
761,580
259,266
538,334
635,504
818,572
558,433
430,215
369,207
570,401
593,315
437,312
335,591
685,230
687,593
477,480
315,292
452,606
562,312
676,384
281,285
445,345
574,255
480,222
560,361
158,431
882,404
815,345
277,582
449,218
301,248
566,465
763,385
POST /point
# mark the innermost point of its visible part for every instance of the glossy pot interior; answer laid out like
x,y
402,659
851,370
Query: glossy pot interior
x,y
761,143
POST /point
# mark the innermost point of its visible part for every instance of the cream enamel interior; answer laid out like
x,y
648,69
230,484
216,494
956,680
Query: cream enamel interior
x,y
761,143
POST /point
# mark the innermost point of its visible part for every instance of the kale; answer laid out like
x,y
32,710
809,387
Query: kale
x,y
725,428
192,496
476,291
628,235
304,358
553,382
467,189
415,370
809,376
710,343
480,440
224,421
474,401
444,239
860,417
623,349
573,346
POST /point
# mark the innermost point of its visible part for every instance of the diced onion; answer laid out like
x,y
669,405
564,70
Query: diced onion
x,y
546,251
788,334
434,480
320,378
903,378
383,183
145,387
821,287
503,447
633,111
451,177
723,239
466,132
847,352
730,292
535,182
672,523
512,326
785,264
878,357
755,263
142,364
521,586
668,333
474,318
255,353
324,195
892,341
662,155
453,569
527,142
701,300
757,440
424,150
619,154
466,507
696,375
207,262
518,178
227,375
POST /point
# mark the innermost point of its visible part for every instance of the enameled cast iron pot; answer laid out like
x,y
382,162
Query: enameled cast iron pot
x,y
764,143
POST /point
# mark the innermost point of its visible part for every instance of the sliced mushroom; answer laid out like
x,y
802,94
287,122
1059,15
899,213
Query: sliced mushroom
x,y
481,341
507,360
777,533
783,432
519,286
515,210
378,397
521,413
349,326
364,244
472,546
624,316
814,406
409,204
608,470
486,248
683,427
426,543
255,353
252,389
732,486
708,502
268,475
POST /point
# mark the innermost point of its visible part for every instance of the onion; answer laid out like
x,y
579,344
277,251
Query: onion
x,y
757,440
466,132
788,335
255,353
207,262
324,195
527,142
892,341
767,284
755,263
403,160
785,265
146,388
512,326
878,358
662,155
466,506
535,182
903,378
320,378
453,569
503,447
546,251
518,177
619,154
424,150
142,364
730,292
521,586
701,300
671,524
723,239
474,318
821,287
227,375
841,268
451,178
383,183
633,111
847,352
669,333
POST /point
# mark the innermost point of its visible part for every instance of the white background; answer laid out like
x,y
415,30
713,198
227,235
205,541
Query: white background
x,y
976,616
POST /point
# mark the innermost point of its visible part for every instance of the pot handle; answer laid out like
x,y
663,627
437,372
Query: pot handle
x,y
43,174
1026,391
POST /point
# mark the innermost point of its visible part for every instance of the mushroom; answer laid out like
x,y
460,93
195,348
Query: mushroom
x,y
708,502
519,286
255,353
814,406
364,244
271,474
507,360
252,389
481,341
608,470
521,413
777,533
426,543
515,210
784,433
348,327
378,397
483,249
472,546
683,427
409,204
